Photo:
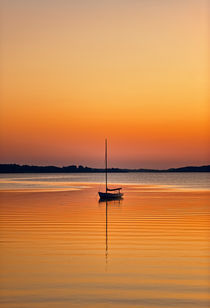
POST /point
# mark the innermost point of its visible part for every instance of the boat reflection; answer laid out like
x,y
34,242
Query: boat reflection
x,y
113,201
110,203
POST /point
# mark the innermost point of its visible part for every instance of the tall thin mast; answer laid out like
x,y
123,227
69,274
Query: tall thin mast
x,y
106,162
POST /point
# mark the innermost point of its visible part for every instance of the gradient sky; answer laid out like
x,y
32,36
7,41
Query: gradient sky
x,y
75,72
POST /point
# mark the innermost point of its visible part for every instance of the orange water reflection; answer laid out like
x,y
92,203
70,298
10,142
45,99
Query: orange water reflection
x,y
64,249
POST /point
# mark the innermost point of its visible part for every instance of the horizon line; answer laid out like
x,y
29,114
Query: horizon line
x,y
77,167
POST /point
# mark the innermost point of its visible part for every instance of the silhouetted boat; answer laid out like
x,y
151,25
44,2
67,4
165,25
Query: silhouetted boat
x,y
109,194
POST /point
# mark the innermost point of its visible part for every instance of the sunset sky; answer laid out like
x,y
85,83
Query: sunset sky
x,y
73,73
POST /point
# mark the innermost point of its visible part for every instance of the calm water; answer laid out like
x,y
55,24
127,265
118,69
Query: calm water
x,y
60,247
63,181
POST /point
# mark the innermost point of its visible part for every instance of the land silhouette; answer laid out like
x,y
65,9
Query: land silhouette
x,y
15,168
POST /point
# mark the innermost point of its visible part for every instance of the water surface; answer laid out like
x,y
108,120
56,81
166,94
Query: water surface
x,y
60,247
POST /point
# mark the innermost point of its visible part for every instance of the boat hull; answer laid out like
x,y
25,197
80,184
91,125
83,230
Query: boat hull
x,y
110,196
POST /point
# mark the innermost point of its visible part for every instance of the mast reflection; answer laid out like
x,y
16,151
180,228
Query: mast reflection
x,y
115,202
106,231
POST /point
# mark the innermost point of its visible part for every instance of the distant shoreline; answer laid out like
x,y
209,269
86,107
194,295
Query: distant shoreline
x,y
14,168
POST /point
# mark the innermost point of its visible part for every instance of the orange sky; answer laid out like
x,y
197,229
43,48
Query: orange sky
x,y
75,72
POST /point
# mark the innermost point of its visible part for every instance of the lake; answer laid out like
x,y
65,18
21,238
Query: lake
x,y
61,247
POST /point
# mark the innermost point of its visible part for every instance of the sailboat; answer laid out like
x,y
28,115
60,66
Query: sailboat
x,y
109,194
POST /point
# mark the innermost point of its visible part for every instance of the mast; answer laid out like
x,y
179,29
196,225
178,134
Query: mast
x,y
106,162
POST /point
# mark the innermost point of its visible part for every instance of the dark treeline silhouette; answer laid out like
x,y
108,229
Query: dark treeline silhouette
x,y
14,168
